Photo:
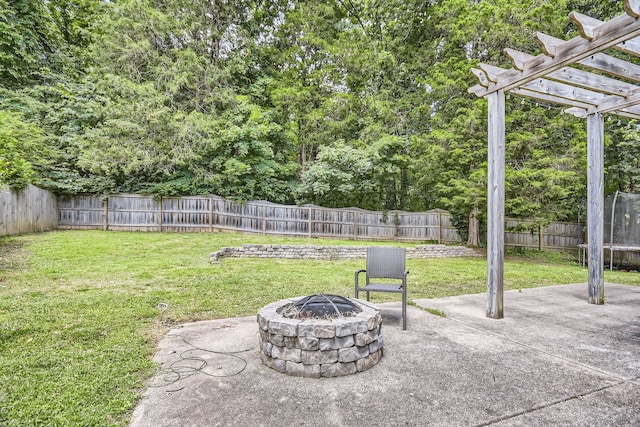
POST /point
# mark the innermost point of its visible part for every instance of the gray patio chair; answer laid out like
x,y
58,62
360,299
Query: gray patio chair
x,y
385,263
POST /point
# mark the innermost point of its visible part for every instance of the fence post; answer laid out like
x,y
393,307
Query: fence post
x,y
355,225
160,214
105,214
540,238
264,219
310,222
439,227
396,221
210,206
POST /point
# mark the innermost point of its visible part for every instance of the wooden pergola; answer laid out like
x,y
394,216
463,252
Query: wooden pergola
x,y
578,74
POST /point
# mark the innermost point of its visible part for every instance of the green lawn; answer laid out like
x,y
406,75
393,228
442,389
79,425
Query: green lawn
x,y
79,316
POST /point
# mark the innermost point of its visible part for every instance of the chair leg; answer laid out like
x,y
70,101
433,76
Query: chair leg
x,y
404,311
367,295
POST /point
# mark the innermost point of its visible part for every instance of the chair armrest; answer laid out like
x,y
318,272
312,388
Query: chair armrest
x,y
357,274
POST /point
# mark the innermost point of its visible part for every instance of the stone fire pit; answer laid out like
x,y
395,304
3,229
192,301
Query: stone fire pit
x,y
328,346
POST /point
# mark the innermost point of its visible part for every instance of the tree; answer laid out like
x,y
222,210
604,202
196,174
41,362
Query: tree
x,y
42,76
302,65
177,116
344,176
341,176
546,164
345,102
622,156
244,155
451,166
20,143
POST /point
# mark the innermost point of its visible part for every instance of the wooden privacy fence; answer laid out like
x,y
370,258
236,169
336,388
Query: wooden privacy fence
x,y
200,213
555,236
34,209
27,211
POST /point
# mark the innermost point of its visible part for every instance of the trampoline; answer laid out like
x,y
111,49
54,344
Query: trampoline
x,y
621,225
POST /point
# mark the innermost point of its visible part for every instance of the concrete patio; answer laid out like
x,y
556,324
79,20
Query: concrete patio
x,y
553,360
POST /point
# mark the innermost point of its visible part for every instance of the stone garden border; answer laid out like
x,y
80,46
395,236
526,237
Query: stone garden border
x,y
335,252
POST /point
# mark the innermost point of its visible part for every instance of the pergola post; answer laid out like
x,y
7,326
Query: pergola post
x,y
495,205
595,206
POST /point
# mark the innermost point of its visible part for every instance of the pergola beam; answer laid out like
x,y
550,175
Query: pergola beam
x,y
588,28
608,34
562,90
569,95
632,7
613,105
550,92
573,76
481,76
518,59
548,44
592,81
550,99
585,24
613,66
582,113
563,94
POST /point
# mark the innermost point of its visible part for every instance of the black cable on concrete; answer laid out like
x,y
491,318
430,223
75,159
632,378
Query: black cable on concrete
x,y
178,371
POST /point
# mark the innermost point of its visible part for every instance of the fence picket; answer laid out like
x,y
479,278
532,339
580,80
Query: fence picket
x,y
28,210
199,213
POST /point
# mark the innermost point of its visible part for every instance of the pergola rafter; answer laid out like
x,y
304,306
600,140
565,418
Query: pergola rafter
x,y
577,74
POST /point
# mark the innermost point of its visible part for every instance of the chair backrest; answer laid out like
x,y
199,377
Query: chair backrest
x,y
385,262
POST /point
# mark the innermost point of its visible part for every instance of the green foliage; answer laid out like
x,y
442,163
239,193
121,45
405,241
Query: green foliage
x,y
622,155
27,39
343,176
435,312
301,62
545,150
342,103
340,177
173,120
540,257
42,64
20,143
546,163
43,39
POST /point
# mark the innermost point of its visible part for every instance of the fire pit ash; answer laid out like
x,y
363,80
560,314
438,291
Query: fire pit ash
x,y
320,336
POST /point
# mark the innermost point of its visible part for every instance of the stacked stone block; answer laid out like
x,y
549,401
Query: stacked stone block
x,y
334,252
320,347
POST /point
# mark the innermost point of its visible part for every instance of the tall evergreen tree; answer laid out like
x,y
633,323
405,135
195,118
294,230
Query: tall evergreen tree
x,y
175,120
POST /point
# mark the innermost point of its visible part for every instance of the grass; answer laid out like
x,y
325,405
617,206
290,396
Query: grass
x,y
80,316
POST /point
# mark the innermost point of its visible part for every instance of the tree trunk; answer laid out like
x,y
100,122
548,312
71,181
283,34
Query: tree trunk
x,y
474,229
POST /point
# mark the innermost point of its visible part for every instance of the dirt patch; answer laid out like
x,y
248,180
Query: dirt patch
x,y
12,254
